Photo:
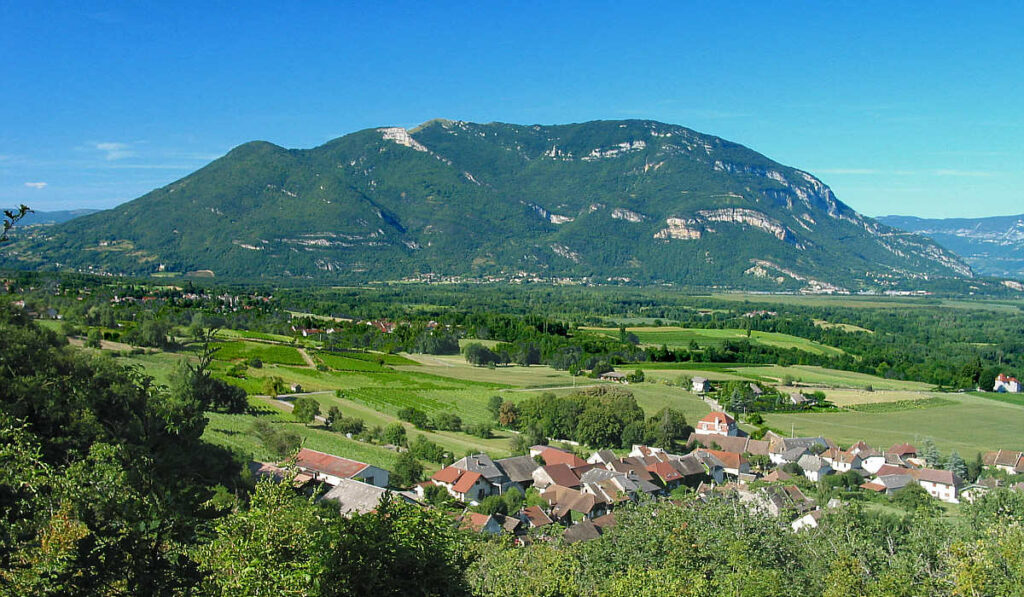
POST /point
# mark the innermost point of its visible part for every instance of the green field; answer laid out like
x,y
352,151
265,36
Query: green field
x,y
678,337
268,353
969,424
830,378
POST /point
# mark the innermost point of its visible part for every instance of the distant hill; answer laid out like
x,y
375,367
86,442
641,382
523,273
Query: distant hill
x,y
606,200
992,246
54,217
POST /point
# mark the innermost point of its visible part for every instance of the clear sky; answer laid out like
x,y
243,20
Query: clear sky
x,y
911,109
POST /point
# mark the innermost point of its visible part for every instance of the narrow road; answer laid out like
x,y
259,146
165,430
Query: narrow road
x,y
306,357
542,388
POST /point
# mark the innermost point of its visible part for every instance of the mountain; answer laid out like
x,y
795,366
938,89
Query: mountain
x,y
637,200
992,246
37,218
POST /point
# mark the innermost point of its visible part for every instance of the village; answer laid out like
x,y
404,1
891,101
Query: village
x,y
578,496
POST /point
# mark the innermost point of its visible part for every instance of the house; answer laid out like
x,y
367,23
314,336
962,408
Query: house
x,y
807,521
584,531
777,500
615,376
798,399
641,451
1004,460
331,469
870,460
942,485
700,385
782,450
888,484
732,463
1004,383
840,461
814,467
777,476
904,451
533,517
481,523
602,457
555,474
519,470
482,463
740,444
717,423
356,497
558,456
756,390
666,474
266,470
465,486
566,500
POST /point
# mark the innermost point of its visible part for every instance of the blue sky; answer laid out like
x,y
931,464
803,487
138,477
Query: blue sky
x,y
907,109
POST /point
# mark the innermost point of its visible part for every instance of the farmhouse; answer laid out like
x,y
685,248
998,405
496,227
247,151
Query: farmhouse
x,y
1005,383
1010,462
332,469
482,463
717,423
615,376
700,385
356,497
814,467
943,485
465,486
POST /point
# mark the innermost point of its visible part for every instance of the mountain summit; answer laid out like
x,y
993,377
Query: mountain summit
x,y
638,200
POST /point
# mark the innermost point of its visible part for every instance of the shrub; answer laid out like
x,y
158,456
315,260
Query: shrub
x,y
482,430
415,416
306,409
446,421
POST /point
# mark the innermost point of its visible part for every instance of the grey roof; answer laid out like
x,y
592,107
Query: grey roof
x,y
688,465
355,497
606,455
812,463
794,454
804,442
584,531
595,475
894,482
519,469
481,463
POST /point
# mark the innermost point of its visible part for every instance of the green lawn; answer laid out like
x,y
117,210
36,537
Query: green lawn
x,y
679,337
969,424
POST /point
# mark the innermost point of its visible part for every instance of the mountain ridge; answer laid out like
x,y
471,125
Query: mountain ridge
x,y
602,200
992,245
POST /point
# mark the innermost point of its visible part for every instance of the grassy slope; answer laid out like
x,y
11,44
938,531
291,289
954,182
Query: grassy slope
x,y
679,337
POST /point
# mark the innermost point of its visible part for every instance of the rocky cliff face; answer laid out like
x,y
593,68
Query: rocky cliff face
x,y
608,200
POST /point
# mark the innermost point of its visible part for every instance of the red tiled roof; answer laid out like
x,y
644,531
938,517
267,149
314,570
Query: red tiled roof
x,y
555,456
729,459
718,418
934,476
665,471
328,464
888,469
447,475
466,482
475,521
536,516
903,449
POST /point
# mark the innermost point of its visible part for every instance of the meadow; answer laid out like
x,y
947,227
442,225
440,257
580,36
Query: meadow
x,y
268,353
968,424
679,337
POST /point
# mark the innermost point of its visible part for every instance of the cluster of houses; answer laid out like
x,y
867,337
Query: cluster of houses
x,y
582,494
1006,384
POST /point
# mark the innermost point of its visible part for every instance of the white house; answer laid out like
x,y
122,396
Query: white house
x,y
1005,383
700,385
465,486
842,462
332,469
814,467
717,423
942,485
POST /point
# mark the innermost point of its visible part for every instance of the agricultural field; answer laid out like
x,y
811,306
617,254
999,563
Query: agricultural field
x,y
679,337
968,424
814,376
268,353
846,327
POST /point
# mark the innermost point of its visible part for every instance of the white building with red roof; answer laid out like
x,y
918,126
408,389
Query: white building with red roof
x,y
1006,384
717,423
465,486
332,469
